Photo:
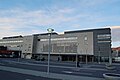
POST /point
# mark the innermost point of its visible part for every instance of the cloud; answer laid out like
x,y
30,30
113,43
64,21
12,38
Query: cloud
x,y
89,3
115,27
66,10
44,17
18,20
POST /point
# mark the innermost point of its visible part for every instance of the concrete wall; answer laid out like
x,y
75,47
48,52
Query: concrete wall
x,y
85,43
27,48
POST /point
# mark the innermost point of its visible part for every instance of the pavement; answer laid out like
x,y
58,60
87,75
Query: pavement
x,y
61,70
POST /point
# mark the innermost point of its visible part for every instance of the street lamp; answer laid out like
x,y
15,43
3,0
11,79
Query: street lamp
x,y
117,54
110,56
19,53
50,30
99,55
77,63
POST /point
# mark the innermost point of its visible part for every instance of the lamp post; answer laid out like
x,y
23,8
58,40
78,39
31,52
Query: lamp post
x,y
19,53
76,60
110,54
77,63
117,54
110,57
50,30
99,55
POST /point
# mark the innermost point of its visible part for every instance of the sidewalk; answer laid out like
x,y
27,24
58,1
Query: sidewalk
x,y
50,75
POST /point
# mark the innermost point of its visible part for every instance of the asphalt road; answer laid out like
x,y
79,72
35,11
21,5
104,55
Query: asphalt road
x,y
90,70
6,75
61,63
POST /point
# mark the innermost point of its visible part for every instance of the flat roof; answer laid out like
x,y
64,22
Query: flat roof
x,y
89,30
54,33
13,37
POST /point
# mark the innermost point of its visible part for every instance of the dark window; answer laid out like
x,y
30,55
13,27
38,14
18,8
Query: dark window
x,y
38,39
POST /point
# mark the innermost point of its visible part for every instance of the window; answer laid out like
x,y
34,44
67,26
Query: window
x,y
103,36
56,39
29,47
11,41
38,39
104,41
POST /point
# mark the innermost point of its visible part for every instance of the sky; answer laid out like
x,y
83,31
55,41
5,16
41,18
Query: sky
x,y
26,17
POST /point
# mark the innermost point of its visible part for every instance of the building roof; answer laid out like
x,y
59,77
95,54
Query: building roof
x,y
54,33
117,48
13,37
88,30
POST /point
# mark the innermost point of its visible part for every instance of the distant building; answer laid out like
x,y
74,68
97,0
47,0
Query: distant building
x,y
91,43
116,53
10,46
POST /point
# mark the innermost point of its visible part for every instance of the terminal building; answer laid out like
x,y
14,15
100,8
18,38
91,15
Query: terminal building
x,y
92,44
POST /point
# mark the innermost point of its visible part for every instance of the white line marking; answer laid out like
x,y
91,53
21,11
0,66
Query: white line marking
x,y
83,73
67,72
28,79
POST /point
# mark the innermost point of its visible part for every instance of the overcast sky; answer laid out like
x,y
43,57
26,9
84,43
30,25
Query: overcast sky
x,y
25,17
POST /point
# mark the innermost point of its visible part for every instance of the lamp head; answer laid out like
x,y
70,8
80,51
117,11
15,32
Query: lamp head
x,y
50,30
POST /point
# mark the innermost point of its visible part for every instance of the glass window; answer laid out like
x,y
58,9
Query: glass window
x,y
38,39
104,36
